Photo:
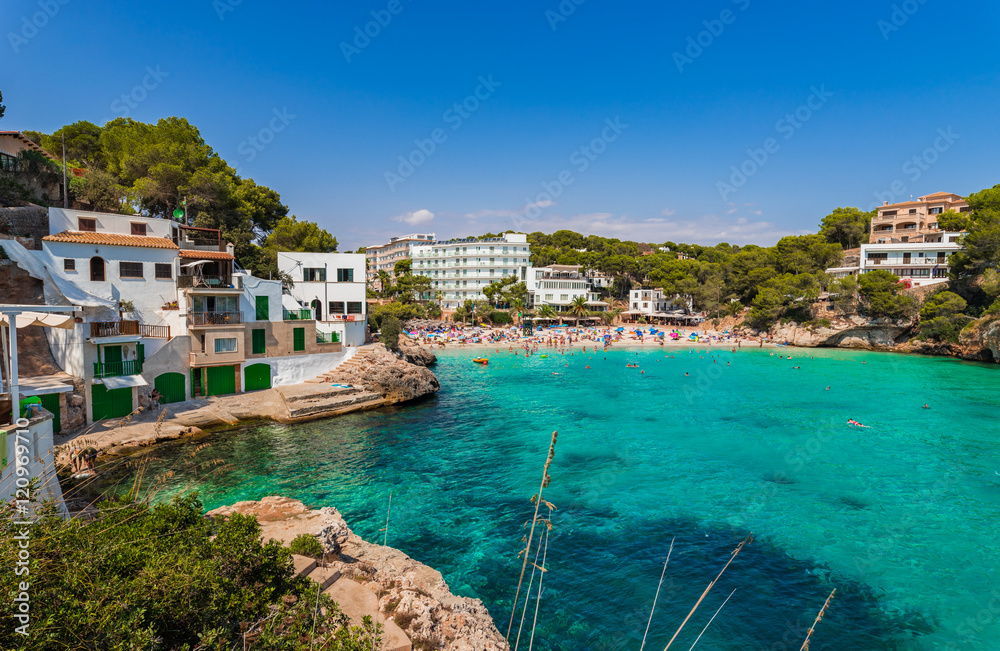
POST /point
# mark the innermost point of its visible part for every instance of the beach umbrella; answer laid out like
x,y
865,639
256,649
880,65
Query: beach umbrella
x,y
675,335
620,330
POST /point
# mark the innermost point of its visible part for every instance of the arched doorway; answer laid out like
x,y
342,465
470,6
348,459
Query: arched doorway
x,y
97,268
317,309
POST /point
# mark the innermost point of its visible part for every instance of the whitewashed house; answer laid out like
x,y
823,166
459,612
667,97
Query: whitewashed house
x,y
331,287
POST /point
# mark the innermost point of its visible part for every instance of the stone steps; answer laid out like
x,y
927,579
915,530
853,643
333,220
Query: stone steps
x,y
355,600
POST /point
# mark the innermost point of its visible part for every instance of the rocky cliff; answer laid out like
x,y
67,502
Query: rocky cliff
x,y
414,596
395,378
846,332
414,353
981,340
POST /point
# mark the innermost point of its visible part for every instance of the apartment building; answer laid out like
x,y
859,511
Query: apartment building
x,y
164,306
459,270
917,264
914,221
383,257
559,285
331,288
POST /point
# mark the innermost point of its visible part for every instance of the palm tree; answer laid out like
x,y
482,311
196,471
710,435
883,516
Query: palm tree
x,y
546,312
516,307
578,306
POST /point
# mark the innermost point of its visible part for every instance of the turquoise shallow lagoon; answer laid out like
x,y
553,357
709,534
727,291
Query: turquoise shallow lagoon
x,y
901,518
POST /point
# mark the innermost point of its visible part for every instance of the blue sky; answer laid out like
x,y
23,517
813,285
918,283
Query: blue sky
x,y
839,97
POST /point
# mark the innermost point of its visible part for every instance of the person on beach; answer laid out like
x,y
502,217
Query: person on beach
x,y
89,458
76,460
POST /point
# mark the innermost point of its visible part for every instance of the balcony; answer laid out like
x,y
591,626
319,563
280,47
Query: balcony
x,y
208,282
196,319
117,369
127,328
297,315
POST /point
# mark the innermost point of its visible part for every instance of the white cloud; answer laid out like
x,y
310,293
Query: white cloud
x,y
668,212
415,218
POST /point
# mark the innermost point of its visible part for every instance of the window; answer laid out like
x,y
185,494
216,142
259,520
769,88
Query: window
x,y
69,264
130,269
298,339
345,275
87,225
354,307
935,211
889,213
261,308
8,163
337,307
163,270
258,339
227,345
138,229
314,275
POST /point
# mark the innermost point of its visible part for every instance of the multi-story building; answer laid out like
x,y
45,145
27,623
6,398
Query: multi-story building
x,y
383,257
331,287
559,285
914,221
459,270
164,305
916,263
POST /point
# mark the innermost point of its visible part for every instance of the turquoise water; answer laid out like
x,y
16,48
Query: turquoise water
x,y
900,517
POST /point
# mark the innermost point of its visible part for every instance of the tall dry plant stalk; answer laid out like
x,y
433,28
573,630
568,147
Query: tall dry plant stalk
x,y
537,499
819,617
541,580
736,552
657,596
712,620
531,582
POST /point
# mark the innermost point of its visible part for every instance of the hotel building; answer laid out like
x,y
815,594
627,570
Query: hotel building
x,y
461,269
559,285
383,257
914,221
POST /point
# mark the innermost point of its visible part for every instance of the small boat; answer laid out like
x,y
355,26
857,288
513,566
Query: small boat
x,y
481,360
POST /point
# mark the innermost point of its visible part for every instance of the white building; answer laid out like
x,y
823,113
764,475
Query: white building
x,y
332,287
559,285
922,263
460,269
164,306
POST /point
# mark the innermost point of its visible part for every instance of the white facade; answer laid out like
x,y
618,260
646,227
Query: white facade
x,y
461,269
65,219
918,263
383,257
558,286
649,302
34,449
332,286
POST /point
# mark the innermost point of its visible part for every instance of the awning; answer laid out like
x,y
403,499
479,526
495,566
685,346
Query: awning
x,y
193,264
43,385
122,382
44,319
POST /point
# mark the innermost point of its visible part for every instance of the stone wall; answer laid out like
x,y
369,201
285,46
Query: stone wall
x,y
26,223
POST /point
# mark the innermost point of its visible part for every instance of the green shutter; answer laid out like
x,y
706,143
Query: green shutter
x,y
51,402
262,311
140,353
258,341
299,339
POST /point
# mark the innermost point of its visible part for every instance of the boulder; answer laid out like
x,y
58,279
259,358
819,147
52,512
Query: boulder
x,y
75,400
383,372
414,353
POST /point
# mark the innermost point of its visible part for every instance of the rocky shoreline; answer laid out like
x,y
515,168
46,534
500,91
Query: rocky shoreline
x,y
375,377
414,604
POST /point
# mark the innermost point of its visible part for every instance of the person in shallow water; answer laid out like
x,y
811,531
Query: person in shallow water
x,y
851,421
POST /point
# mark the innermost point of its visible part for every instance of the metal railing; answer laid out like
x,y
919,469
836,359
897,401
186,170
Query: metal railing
x,y
296,315
117,369
205,282
327,337
126,328
214,318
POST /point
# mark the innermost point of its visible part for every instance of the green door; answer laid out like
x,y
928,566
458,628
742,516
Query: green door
x,y
257,377
112,354
170,386
221,380
262,308
51,402
298,339
258,339
116,403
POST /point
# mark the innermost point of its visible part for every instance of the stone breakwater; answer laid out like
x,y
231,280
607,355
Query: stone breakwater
x,y
411,597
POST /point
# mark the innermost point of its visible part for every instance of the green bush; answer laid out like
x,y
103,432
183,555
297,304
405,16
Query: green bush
x,y
402,311
162,577
500,317
882,300
941,316
306,545
390,332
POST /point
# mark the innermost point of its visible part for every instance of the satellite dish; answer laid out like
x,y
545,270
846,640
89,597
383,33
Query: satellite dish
x,y
178,213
